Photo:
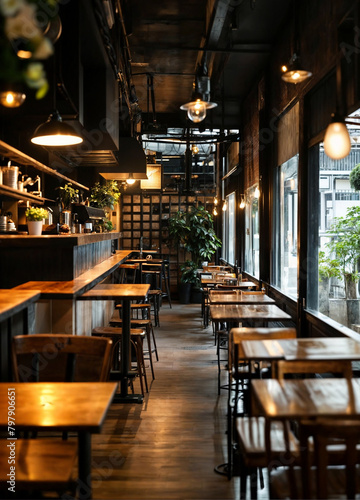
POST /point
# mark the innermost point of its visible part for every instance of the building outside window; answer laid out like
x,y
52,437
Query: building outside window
x,y
252,231
285,227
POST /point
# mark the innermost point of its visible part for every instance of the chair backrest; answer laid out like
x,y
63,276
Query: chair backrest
x,y
238,335
60,358
316,439
254,292
283,367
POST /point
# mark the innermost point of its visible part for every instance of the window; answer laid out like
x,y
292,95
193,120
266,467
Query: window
x,y
252,231
285,227
229,238
333,227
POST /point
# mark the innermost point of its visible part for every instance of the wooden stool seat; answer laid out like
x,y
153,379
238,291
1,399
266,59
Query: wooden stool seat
x,y
40,465
124,268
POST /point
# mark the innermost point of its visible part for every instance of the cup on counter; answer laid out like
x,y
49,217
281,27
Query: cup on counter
x,y
3,223
88,227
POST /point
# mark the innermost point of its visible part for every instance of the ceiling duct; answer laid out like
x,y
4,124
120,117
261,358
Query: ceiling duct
x,y
130,159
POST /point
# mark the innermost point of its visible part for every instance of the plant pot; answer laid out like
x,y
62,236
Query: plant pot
x,y
196,295
184,290
35,227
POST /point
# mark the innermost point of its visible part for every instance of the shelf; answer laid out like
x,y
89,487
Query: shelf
x,y
21,195
18,157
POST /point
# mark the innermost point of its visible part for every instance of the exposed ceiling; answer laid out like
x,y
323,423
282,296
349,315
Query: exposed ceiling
x,y
230,39
154,49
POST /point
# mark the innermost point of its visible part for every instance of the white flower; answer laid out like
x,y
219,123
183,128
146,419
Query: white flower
x,y
24,24
44,49
10,7
35,75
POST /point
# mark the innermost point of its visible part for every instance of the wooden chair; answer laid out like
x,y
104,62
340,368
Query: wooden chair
x,y
58,357
136,338
40,465
315,477
336,454
248,433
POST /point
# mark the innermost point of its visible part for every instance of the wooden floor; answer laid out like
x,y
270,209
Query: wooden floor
x,y
167,448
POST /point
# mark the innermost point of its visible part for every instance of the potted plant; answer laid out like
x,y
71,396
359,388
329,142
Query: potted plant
x,y
188,278
35,220
67,195
105,195
194,231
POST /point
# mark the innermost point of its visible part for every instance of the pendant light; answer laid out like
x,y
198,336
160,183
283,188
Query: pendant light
x,y
200,100
293,72
54,132
11,98
337,144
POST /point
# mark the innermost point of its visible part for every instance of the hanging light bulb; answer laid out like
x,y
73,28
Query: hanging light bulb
x,y
12,99
200,101
242,202
337,144
216,201
54,132
195,149
224,207
215,212
257,192
130,180
294,73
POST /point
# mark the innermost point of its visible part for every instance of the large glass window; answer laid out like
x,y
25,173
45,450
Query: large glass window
x,y
334,235
252,231
285,227
229,214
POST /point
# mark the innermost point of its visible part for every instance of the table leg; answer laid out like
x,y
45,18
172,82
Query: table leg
x,y
84,465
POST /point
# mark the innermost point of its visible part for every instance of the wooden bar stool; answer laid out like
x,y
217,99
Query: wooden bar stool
x,y
125,273
136,338
143,322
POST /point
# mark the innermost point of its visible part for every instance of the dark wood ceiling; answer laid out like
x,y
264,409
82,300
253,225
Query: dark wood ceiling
x,y
231,39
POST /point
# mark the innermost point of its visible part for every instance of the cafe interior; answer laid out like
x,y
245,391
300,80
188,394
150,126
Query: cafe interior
x,y
179,249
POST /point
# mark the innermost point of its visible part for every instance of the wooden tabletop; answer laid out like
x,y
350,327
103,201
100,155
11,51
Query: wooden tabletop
x,y
77,286
319,397
243,284
57,406
13,301
314,349
117,292
254,312
238,298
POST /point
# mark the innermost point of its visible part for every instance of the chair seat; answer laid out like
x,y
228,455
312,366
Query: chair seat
x,y
250,437
44,464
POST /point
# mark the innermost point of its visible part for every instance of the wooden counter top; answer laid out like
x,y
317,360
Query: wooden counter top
x,y
66,240
77,286
12,302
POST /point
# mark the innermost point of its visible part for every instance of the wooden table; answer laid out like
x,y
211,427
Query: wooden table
x,y
124,293
315,349
308,398
13,302
243,284
62,407
251,312
238,298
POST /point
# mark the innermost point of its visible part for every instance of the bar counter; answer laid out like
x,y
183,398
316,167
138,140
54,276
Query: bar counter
x,y
52,257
